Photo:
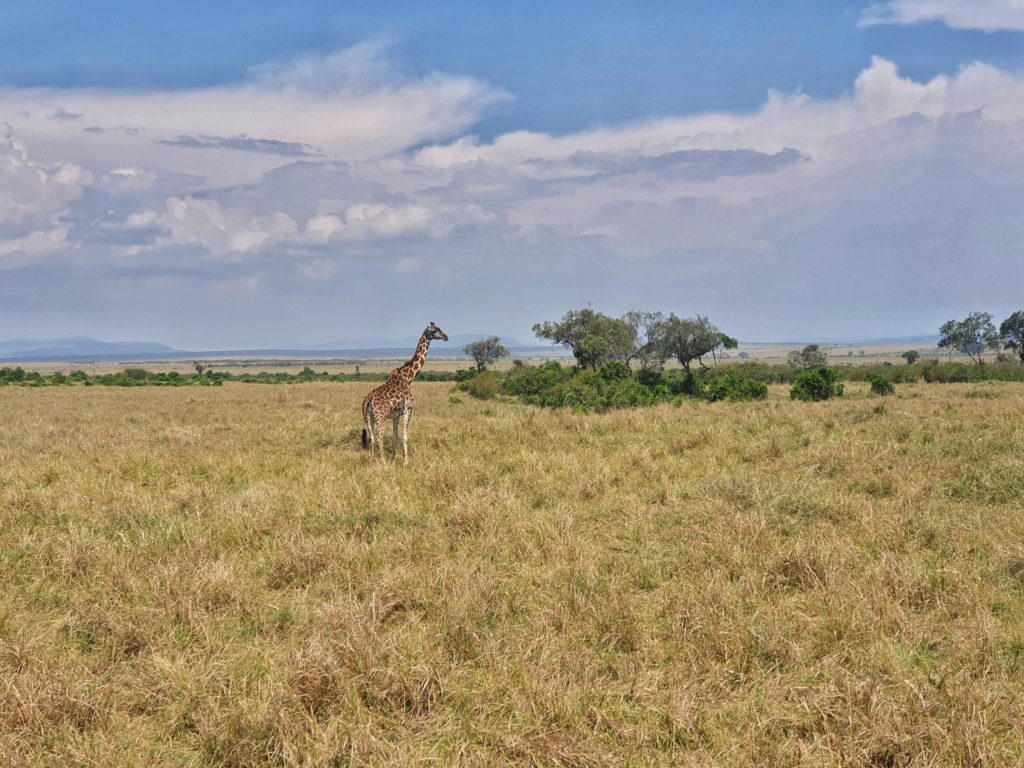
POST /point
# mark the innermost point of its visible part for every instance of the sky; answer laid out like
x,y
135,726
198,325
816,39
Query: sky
x,y
255,174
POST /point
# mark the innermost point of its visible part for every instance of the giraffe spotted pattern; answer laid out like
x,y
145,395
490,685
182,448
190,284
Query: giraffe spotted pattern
x,y
393,400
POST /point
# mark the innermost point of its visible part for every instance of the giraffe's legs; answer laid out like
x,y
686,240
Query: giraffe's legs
x,y
378,435
394,435
368,425
405,434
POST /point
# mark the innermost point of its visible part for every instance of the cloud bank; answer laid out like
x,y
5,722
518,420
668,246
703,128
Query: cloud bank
x,y
337,188
986,15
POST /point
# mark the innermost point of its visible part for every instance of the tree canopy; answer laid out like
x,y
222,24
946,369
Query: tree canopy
x,y
809,358
594,338
691,338
970,336
486,351
1011,333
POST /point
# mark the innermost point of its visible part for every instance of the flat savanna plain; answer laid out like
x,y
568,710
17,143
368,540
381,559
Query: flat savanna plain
x,y
220,576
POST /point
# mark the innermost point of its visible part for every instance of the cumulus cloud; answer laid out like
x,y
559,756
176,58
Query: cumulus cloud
x,y
348,106
217,230
986,15
894,182
34,198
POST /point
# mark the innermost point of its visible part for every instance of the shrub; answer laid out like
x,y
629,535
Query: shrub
x,y
591,391
531,381
483,386
615,371
819,384
728,386
680,384
881,385
650,378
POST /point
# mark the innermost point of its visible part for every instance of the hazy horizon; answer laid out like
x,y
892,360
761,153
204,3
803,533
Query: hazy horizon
x,y
253,176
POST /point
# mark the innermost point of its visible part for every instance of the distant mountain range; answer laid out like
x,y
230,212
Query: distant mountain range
x,y
928,340
458,340
85,349
77,346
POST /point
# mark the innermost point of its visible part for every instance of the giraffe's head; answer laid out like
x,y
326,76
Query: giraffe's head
x,y
433,332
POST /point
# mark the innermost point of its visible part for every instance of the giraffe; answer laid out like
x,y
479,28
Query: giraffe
x,y
393,399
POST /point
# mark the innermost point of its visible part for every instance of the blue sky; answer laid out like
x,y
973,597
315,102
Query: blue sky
x,y
567,64
256,173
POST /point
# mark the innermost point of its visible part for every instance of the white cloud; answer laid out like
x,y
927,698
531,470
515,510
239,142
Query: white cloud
x,y
986,15
350,105
19,252
34,198
219,231
31,192
891,177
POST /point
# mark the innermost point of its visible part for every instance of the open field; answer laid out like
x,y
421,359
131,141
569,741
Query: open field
x,y
219,576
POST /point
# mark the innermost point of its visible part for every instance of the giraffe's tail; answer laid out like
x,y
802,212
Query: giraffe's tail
x,y
366,439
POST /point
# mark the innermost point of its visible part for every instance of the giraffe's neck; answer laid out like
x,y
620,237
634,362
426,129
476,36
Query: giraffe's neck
x,y
408,371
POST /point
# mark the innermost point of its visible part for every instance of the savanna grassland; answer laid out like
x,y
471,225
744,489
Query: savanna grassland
x,y
220,576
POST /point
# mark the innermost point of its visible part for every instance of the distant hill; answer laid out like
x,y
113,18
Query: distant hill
x,y
83,349
76,347
929,340
458,340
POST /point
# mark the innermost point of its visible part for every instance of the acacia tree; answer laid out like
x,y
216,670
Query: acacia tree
x,y
649,328
1011,333
725,342
970,336
911,356
807,359
486,351
594,338
689,339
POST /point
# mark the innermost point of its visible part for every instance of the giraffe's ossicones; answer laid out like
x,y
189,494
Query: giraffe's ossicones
x,y
393,399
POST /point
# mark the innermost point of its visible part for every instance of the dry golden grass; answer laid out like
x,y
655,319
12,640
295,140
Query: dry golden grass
x,y
219,576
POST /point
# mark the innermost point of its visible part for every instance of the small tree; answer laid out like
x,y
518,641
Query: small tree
x,y
880,385
594,338
807,359
911,356
486,351
970,336
1011,333
689,339
819,384
724,342
649,330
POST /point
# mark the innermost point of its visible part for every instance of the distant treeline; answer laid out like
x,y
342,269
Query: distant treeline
x,y
140,377
929,370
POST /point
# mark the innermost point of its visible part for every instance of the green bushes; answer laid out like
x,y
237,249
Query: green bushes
x,y
728,386
484,385
530,382
946,373
881,385
129,377
819,384
137,377
615,386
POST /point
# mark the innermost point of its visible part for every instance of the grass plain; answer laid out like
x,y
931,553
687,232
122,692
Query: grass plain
x,y
220,576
